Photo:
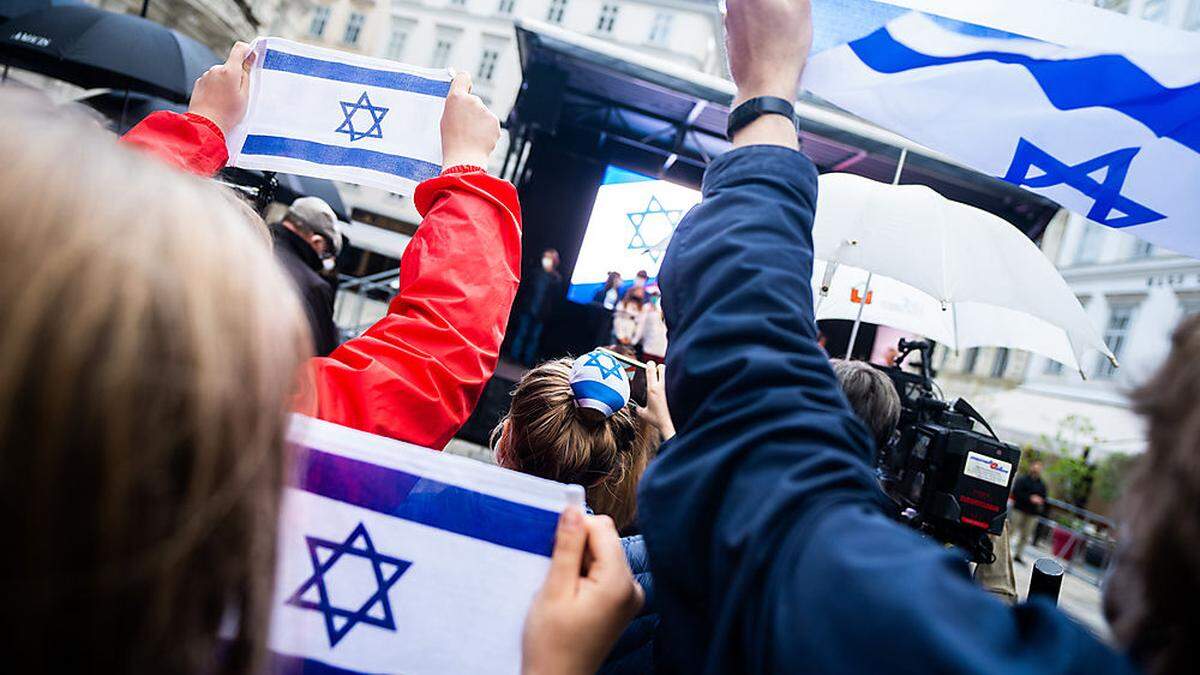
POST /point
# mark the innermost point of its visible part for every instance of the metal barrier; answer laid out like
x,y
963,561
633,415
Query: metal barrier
x,y
1086,547
361,287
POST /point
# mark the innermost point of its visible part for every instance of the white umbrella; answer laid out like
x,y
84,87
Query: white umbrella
x,y
986,283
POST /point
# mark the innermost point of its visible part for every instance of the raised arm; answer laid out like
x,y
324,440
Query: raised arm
x,y
417,374
765,527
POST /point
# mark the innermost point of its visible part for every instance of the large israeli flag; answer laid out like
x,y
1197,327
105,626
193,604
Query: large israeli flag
x,y
330,114
1112,133
398,559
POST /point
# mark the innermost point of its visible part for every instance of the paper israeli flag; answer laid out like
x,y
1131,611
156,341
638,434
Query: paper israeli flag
x,y
1109,132
397,559
329,114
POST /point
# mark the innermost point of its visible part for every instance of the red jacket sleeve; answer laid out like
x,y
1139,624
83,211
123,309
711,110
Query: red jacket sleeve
x,y
188,141
417,374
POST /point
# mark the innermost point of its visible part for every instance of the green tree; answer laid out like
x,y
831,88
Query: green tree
x,y
1112,475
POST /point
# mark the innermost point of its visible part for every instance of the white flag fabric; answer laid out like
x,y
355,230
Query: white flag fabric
x,y
329,114
398,559
1109,134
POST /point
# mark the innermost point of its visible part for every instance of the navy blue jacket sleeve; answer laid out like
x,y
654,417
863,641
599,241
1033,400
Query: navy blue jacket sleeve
x,y
763,508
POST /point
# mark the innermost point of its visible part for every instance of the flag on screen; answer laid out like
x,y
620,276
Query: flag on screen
x,y
329,114
1112,135
398,559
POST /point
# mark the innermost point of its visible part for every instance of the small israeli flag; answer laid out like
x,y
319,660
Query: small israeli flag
x,y
598,382
398,559
1112,134
329,114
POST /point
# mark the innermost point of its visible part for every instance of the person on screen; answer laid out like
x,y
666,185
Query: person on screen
x,y
542,286
605,300
628,317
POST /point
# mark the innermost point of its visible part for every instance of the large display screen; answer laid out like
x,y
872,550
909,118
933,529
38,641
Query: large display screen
x,y
631,224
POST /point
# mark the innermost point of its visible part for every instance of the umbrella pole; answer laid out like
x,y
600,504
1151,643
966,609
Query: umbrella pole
x,y
862,302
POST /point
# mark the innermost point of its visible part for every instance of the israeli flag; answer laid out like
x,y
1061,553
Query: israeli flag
x,y
1111,133
329,114
398,559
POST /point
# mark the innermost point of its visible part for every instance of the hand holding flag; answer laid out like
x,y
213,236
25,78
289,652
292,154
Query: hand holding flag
x,y
588,598
221,93
469,130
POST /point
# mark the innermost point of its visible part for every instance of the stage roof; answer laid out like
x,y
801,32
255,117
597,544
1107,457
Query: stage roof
x,y
659,118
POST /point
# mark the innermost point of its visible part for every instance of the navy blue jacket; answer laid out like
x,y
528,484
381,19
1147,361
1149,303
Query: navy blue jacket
x,y
766,530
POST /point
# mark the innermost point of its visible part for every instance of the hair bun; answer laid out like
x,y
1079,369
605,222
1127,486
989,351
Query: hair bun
x,y
598,383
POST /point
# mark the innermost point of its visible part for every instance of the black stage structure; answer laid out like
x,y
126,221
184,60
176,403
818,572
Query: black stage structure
x,y
585,103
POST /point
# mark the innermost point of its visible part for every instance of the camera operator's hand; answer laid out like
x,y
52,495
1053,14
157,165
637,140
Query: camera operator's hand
x,y
588,598
469,130
221,93
767,42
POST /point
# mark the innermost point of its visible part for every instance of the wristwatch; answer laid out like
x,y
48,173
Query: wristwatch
x,y
756,107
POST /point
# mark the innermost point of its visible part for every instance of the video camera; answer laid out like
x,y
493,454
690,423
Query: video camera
x,y
948,480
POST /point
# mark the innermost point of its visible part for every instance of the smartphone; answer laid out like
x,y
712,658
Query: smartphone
x,y
636,370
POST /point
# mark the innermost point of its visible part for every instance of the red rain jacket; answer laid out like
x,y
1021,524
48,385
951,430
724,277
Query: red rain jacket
x,y
417,374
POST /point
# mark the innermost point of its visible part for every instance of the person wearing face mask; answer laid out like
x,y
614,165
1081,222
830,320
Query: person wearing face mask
x,y
543,285
306,239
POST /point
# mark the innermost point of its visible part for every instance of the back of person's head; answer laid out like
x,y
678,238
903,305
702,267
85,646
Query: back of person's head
x,y
1152,593
142,407
872,396
547,434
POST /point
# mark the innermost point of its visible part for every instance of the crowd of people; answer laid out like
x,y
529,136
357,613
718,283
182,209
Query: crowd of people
x,y
144,392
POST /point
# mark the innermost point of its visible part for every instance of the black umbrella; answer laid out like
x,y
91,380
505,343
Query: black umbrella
x,y
95,48
11,8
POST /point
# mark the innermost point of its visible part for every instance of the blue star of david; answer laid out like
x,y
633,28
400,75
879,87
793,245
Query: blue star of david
x,y
349,109
613,370
638,218
1106,197
314,594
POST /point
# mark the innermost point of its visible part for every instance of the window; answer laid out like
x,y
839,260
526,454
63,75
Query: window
x,y
1155,10
1000,364
1053,367
608,16
506,7
660,30
555,13
969,360
320,18
1090,240
1116,334
353,27
441,52
1142,249
398,39
487,64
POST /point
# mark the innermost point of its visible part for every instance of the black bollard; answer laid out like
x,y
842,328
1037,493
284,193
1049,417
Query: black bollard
x,y
1046,580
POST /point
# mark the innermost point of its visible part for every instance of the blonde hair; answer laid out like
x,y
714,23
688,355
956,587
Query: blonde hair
x,y
545,434
143,400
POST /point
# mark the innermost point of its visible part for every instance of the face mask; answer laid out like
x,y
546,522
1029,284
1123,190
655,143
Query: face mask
x,y
328,264
547,263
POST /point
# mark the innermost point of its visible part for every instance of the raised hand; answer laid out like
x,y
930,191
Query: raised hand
x,y
767,42
656,412
221,93
579,613
469,130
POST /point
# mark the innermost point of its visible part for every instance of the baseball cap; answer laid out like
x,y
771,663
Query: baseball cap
x,y
318,217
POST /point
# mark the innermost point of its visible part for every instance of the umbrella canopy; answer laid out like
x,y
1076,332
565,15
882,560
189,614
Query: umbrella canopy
x,y
985,282
94,48
11,8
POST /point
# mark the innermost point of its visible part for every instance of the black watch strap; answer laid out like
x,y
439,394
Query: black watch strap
x,y
756,107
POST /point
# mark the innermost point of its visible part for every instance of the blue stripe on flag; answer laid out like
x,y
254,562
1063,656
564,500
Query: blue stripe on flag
x,y
344,72
403,495
336,155
598,392
284,664
1107,81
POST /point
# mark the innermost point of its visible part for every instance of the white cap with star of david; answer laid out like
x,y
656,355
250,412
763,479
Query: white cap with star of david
x,y
598,382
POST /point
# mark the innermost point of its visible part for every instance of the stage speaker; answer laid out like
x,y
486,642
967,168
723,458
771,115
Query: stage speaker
x,y
541,97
